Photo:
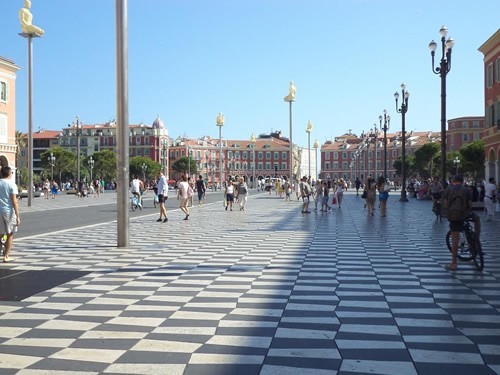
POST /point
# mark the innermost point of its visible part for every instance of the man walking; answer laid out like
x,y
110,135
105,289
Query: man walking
x,y
458,202
9,210
162,187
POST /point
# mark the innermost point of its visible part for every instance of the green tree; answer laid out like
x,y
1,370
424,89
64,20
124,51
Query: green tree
x,y
152,170
472,158
20,144
64,164
427,158
409,164
185,165
105,166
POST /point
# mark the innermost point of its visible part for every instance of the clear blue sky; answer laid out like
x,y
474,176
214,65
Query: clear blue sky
x,y
190,59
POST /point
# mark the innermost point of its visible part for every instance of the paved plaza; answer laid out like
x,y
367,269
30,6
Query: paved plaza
x,y
265,291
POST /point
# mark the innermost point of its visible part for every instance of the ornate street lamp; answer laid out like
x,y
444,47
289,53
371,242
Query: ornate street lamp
x,y
308,131
442,70
91,162
253,140
220,123
456,163
316,145
144,169
290,98
404,108
52,161
190,150
77,124
385,127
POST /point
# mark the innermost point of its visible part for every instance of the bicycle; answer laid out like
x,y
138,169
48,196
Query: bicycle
x,y
469,245
135,203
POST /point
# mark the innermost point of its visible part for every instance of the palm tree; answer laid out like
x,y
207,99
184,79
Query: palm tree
x,y
20,143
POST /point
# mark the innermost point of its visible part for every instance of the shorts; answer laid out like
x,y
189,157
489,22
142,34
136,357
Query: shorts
x,y
305,198
383,196
7,222
456,226
230,197
162,198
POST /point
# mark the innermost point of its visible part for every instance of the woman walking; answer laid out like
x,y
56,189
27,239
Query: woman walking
x,y
370,195
341,185
229,194
383,195
183,192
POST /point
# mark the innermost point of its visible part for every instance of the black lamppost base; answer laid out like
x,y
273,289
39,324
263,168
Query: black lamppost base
x,y
403,199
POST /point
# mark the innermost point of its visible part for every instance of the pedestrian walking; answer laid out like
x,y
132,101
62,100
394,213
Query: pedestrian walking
x,y
370,195
324,193
184,193
305,192
9,210
383,195
318,195
490,198
229,192
357,184
54,189
162,190
46,188
339,193
288,189
200,189
242,193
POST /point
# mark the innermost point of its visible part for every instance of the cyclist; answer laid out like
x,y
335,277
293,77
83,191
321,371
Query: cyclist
x,y
458,202
436,190
136,187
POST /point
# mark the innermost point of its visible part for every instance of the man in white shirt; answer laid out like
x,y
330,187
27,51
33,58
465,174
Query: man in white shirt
x,y
136,188
490,192
162,192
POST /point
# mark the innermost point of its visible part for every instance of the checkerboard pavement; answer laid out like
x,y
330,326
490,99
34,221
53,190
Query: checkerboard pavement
x,y
265,291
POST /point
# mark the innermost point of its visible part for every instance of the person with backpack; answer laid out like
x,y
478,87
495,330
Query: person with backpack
x,y
458,203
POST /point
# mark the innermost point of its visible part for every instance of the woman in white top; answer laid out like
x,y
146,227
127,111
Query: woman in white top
x,y
229,194
490,190
183,196
340,191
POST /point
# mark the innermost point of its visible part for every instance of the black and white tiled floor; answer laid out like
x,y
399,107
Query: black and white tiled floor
x,y
265,291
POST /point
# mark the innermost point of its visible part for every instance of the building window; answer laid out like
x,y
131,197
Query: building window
x,y
465,137
230,154
268,165
344,165
489,75
327,165
284,166
344,155
394,154
261,156
4,94
276,155
268,155
465,124
245,155
259,165
335,155
237,155
335,165
477,136
497,69
327,156
284,155
475,124
3,128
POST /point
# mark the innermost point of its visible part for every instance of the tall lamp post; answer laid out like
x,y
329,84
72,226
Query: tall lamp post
x,y
91,162
189,161
29,31
387,121
442,70
316,145
144,169
456,162
308,131
52,161
253,140
404,108
77,124
290,98
220,124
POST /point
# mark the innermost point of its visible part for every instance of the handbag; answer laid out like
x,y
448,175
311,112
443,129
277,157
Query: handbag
x,y
334,200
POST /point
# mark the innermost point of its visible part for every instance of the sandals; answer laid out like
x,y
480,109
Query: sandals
x,y
452,267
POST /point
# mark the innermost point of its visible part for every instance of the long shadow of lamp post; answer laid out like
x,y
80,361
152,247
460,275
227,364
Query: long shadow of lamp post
x,y
404,108
442,70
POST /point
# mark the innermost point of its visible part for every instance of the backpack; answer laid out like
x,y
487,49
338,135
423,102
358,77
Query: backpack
x,y
307,188
457,205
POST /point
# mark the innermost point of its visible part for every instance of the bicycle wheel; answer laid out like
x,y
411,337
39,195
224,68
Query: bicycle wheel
x,y
463,252
478,256
133,205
